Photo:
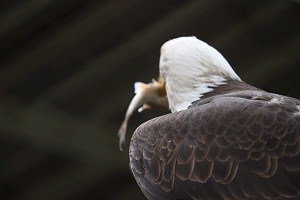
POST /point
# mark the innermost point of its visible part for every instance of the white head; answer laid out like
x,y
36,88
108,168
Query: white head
x,y
191,68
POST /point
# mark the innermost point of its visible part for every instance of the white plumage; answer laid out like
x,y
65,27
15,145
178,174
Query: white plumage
x,y
191,68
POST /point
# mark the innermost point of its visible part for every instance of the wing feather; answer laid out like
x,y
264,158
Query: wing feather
x,y
237,147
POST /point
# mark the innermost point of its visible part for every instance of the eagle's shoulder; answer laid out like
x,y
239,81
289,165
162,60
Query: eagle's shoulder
x,y
251,133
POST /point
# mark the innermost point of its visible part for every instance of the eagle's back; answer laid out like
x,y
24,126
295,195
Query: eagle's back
x,y
238,143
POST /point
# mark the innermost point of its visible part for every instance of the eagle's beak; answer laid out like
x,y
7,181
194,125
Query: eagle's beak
x,y
153,93
161,86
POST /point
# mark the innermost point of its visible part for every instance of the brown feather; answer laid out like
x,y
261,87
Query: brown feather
x,y
232,144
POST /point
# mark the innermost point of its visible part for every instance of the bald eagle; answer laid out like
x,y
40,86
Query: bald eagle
x,y
224,139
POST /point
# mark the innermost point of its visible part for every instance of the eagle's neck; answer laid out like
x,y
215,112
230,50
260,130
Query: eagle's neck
x,y
183,92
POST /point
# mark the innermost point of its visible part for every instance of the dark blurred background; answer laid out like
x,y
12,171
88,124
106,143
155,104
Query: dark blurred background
x,y
67,70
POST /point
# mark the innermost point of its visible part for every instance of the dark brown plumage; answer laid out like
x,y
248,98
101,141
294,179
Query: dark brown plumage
x,y
237,142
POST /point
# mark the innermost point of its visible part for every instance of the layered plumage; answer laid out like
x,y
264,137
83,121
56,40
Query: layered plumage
x,y
224,138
